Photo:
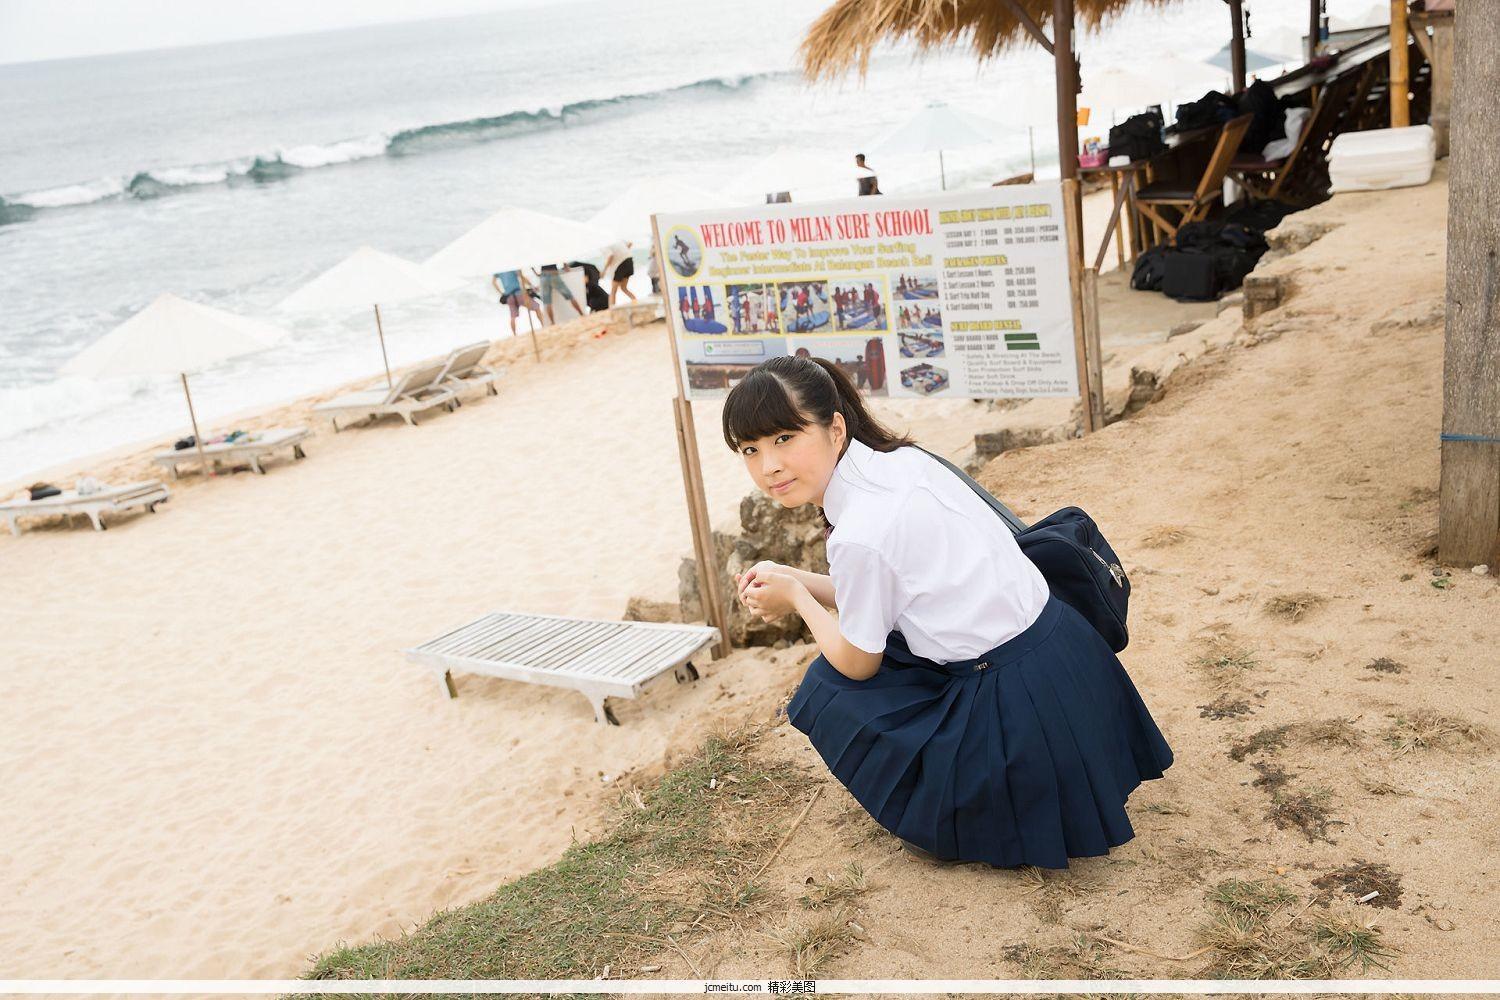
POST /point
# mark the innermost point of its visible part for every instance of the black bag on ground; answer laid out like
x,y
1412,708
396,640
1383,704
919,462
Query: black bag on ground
x,y
1190,275
1213,108
1149,269
1138,137
1079,565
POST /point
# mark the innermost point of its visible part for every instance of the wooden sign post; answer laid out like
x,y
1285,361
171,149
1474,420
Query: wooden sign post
x,y
705,553
1090,393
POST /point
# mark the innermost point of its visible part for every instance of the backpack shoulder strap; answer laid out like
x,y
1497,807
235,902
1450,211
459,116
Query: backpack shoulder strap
x,y
1013,522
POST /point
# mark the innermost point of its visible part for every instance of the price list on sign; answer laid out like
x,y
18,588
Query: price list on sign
x,y
1005,281
963,294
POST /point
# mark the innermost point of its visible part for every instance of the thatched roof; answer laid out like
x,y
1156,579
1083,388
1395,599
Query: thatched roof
x,y
847,33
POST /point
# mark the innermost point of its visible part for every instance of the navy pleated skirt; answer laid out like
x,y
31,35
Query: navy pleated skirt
x,y
1022,756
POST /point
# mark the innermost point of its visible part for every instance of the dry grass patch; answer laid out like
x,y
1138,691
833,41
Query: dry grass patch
x,y
1224,707
1164,535
1294,607
1385,665
810,942
836,890
1224,660
1425,729
1334,732
1048,893
1251,932
1361,878
1305,810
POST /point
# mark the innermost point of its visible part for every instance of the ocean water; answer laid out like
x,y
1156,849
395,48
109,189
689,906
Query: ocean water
x,y
232,173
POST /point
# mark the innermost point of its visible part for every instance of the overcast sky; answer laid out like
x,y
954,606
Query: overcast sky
x,y
56,29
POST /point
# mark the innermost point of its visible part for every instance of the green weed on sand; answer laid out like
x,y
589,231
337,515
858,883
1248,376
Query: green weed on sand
x,y
682,859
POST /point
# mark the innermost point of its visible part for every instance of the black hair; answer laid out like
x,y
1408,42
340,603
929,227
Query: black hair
x,y
860,157
788,394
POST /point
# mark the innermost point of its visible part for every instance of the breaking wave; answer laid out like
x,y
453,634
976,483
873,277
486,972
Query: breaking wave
x,y
284,163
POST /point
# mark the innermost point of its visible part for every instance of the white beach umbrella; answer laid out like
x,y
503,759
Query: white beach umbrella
x,y
629,215
368,277
173,336
1256,59
514,238
1170,77
938,127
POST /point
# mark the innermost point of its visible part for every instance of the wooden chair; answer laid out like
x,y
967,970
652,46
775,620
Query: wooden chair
x,y
1287,179
1193,202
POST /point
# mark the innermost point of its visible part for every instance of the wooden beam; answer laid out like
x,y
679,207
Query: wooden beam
x,y
1066,71
1237,44
1029,23
1314,28
1469,487
1400,86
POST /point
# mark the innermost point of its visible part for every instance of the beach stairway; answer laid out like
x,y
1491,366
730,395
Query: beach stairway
x,y
597,658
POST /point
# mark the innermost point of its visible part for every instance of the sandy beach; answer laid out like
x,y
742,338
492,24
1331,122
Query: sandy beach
x,y
219,763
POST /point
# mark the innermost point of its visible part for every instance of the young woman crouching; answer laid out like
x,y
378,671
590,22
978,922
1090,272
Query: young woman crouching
x,y
973,714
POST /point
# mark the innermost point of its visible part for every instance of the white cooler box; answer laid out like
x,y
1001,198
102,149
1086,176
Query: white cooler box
x,y
1382,158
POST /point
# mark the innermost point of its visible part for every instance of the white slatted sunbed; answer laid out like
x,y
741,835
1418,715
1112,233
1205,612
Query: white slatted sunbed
x,y
411,394
463,369
110,500
599,659
250,449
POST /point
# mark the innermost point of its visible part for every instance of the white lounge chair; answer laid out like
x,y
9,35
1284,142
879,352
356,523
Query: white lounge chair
x,y
416,391
250,449
463,369
599,659
110,500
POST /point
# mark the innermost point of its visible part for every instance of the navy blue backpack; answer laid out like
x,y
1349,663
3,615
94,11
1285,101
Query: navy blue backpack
x,y
1077,562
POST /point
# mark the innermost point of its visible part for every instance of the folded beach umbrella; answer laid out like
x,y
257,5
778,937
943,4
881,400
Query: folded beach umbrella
x,y
629,215
938,127
514,238
368,277
173,336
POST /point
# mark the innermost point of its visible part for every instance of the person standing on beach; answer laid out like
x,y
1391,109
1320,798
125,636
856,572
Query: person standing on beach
x,y
868,182
653,271
972,713
553,284
508,284
624,267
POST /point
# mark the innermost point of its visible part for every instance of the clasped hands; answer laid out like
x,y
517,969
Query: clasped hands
x,y
768,590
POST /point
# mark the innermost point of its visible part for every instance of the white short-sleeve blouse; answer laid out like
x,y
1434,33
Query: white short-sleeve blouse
x,y
915,551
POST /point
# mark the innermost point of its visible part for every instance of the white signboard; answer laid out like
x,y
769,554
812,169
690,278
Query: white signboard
x,y
961,295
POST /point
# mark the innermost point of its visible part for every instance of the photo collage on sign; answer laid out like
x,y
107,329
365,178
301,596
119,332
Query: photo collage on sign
x,y
919,317
729,329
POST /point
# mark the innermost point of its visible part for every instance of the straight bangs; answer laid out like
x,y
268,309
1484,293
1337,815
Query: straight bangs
x,y
759,406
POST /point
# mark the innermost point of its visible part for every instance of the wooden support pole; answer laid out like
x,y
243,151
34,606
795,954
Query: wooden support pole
x,y
1469,487
1065,66
1091,344
197,434
1400,88
705,553
384,358
1314,28
1237,44
1442,80
536,349
1074,230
